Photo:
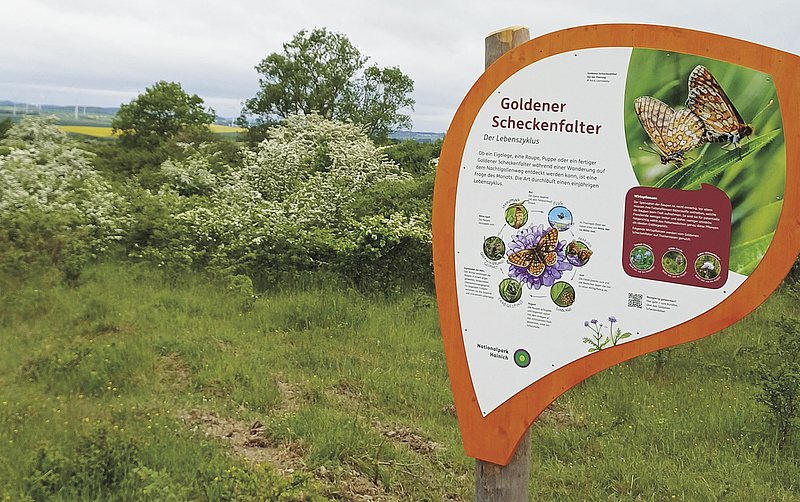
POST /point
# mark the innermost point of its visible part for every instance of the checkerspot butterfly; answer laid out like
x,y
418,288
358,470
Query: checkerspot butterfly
x,y
673,132
582,253
543,253
707,100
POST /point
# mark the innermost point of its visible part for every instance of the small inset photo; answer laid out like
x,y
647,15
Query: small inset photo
x,y
510,290
707,267
516,215
673,262
494,248
560,218
562,294
641,257
578,253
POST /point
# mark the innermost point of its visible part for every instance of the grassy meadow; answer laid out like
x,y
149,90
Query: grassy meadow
x,y
134,384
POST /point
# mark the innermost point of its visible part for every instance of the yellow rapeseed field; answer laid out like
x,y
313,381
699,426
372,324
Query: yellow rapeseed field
x,y
98,132
105,132
224,128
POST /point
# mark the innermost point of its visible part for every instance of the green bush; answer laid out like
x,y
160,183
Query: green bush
x,y
778,374
51,200
417,159
103,461
384,253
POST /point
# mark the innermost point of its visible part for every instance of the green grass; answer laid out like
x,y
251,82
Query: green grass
x,y
97,380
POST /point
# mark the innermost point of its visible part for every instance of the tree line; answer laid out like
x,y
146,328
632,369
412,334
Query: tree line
x,y
318,71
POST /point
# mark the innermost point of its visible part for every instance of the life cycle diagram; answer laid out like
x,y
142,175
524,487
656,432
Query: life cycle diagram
x,y
536,253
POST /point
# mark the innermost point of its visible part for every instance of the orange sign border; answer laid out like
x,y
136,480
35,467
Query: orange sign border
x,y
494,438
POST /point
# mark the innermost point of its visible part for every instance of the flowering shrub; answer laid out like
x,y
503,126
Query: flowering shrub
x,y
190,176
317,166
49,191
316,195
293,206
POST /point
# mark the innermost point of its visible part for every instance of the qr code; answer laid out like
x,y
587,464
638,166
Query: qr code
x,y
634,300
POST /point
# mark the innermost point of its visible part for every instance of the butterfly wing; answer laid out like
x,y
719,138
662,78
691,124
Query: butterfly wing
x,y
549,241
521,258
708,101
673,132
536,268
545,252
532,259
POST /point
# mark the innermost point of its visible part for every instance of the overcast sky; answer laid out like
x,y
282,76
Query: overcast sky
x,y
92,52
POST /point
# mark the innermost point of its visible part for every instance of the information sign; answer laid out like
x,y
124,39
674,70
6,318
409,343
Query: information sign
x,y
603,192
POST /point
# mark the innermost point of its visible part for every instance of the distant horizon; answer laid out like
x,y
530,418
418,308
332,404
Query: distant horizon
x,y
111,110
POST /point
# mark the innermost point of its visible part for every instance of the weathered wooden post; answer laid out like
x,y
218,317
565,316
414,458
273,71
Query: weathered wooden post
x,y
502,41
506,483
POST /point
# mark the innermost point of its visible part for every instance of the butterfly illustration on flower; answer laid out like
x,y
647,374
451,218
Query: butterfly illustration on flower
x,y
673,132
537,257
707,100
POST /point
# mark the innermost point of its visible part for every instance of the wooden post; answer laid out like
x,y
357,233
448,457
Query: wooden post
x,y
505,483
502,41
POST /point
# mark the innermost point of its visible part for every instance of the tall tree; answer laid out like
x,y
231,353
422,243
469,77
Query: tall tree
x,y
323,72
158,114
379,96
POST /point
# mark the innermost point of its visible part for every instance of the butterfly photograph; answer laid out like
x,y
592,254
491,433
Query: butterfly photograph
x,y
672,132
707,101
580,251
691,120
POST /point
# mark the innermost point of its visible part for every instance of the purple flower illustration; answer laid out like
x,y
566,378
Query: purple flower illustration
x,y
528,239
598,341
575,261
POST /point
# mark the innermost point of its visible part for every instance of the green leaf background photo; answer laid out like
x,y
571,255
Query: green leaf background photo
x,y
752,176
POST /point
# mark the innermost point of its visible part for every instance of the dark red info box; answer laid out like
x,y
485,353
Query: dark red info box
x,y
680,236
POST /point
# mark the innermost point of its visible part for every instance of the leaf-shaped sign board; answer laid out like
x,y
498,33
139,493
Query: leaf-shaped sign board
x,y
604,192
